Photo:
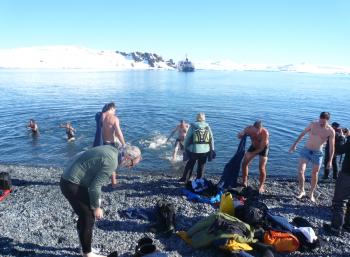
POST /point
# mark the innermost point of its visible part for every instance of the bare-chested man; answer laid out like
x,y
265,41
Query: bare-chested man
x,y
260,146
182,129
33,126
69,131
111,131
111,126
319,132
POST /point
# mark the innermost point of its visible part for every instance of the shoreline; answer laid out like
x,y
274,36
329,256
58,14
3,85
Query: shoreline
x,y
47,223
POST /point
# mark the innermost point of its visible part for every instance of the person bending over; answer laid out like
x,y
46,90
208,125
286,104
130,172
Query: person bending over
x,y
260,146
81,184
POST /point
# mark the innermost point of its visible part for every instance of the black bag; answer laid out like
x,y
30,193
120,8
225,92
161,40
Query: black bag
x,y
253,213
5,181
301,222
165,217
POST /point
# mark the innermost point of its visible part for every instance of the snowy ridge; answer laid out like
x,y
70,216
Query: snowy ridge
x,y
74,57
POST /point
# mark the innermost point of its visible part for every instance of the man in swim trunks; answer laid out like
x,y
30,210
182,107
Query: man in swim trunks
x,y
69,130
182,129
33,126
111,132
319,132
260,146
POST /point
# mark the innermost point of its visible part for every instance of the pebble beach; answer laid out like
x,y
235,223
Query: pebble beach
x,y
36,220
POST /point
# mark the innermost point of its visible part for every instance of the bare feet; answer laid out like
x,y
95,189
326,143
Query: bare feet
x,y
261,189
301,195
312,198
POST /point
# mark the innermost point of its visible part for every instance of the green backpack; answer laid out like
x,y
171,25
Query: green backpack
x,y
201,135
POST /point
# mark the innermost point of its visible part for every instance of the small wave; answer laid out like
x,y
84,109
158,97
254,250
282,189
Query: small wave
x,y
156,142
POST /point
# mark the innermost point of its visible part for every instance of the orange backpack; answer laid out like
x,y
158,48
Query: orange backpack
x,y
281,241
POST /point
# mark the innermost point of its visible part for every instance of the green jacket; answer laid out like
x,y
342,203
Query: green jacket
x,y
92,169
202,236
198,148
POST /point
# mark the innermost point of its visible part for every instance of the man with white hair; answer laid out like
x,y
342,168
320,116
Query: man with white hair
x,y
81,184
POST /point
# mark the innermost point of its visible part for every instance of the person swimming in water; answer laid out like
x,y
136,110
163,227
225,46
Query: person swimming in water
x,y
182,129
33,126
70,131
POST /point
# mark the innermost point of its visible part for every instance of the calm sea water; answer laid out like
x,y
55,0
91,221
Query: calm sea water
x,y
150,103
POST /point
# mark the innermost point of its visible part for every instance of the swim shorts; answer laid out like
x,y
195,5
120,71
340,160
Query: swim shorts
x,y
315,157
264,152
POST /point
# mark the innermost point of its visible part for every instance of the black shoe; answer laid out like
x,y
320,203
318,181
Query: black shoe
x,y
346,228
330,230
144,246
182,180
113,254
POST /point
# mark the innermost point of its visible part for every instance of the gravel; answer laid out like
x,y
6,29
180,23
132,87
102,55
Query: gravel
x,y
36,220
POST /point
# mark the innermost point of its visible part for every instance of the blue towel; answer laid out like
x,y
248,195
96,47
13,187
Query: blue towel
x,y
98,134
231,171
199,198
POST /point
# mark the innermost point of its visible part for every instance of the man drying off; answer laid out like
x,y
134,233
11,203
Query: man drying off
x,y
260,146
319,132
182,129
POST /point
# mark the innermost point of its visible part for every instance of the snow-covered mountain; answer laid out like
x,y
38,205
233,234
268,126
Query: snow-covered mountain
x,y
73,57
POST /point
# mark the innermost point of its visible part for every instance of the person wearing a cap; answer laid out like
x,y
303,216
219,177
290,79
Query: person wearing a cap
x,y
81,184
260,146
319,132
338,136
181,129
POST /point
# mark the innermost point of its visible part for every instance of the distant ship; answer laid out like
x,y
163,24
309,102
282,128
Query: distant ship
x,y
185,66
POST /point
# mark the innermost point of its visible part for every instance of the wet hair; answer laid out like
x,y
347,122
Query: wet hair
x,y
325,115
108,106
132,151
32,120
182,121
258,124
201,116
335,125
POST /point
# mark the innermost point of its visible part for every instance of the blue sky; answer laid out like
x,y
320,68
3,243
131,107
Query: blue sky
x,y
245,31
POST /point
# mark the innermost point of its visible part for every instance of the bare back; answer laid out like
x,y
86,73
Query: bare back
x,y
182,130
318,135
109,125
